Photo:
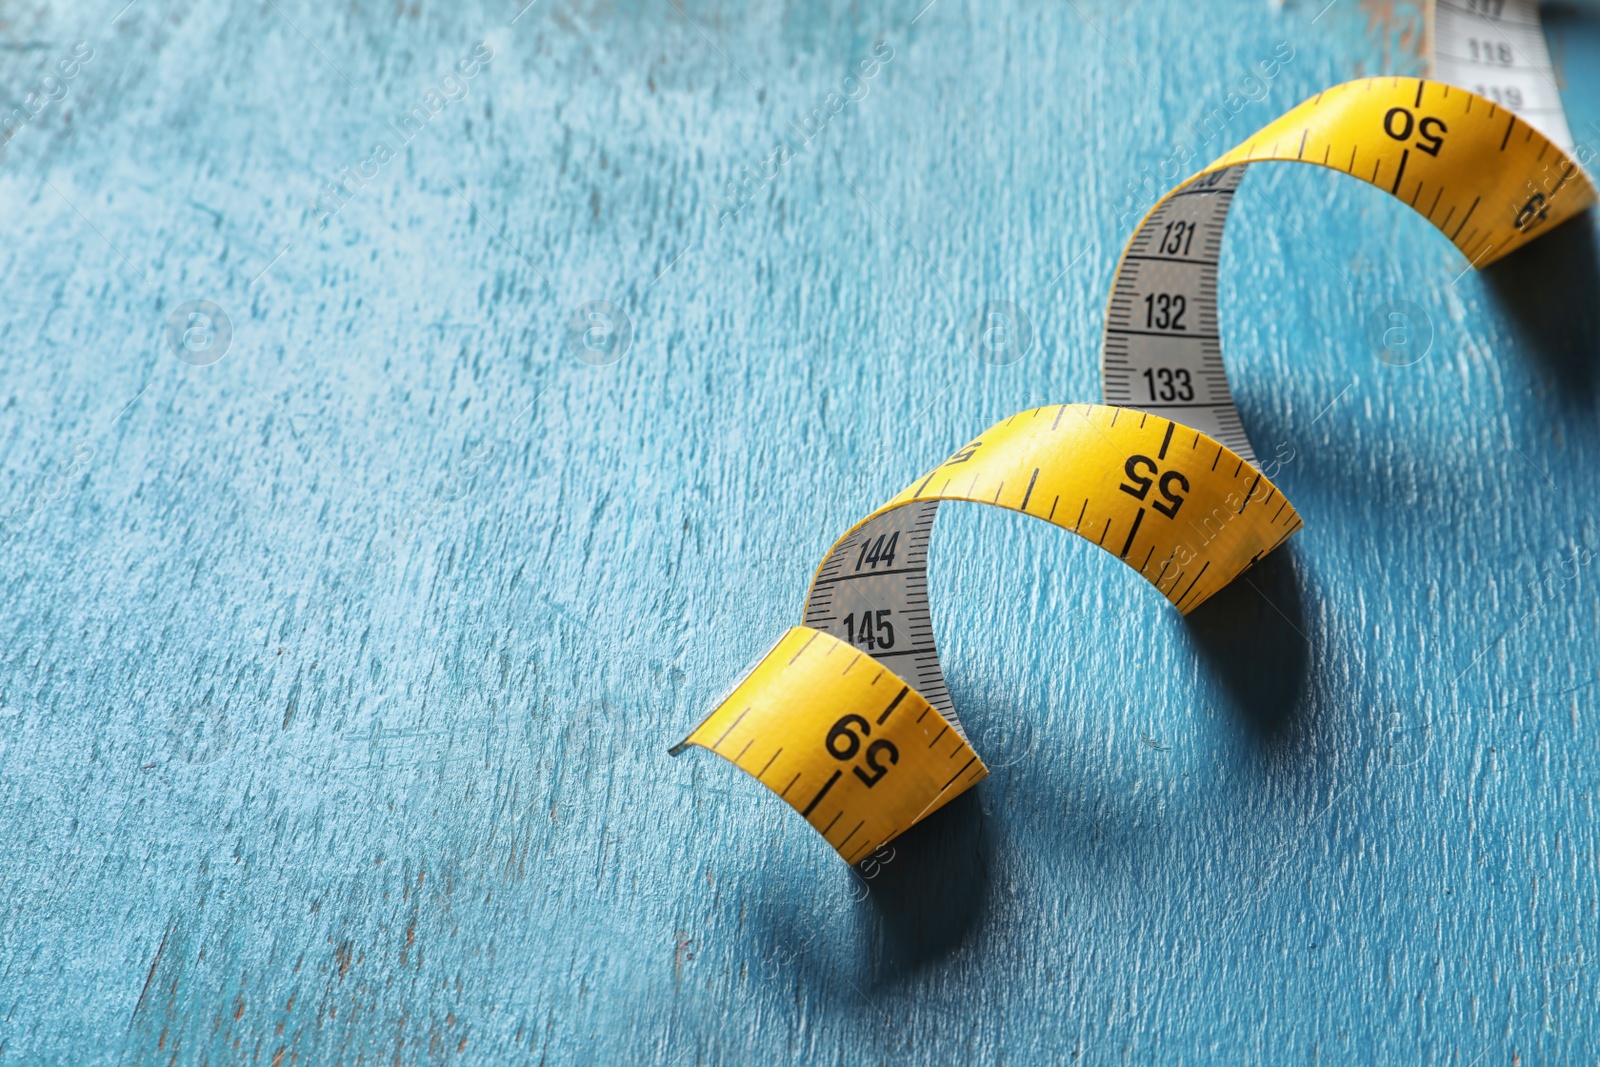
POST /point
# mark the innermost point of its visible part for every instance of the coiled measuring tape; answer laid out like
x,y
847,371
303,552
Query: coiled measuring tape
x,y
847,717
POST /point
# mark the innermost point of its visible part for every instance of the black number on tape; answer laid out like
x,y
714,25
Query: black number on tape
x,y
1176,238
875,630
1174,384
874,750
1142,483
879,551
1164,311
843,744
1430,130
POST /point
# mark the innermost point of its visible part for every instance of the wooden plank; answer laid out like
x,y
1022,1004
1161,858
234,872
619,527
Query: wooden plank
x,y
338,674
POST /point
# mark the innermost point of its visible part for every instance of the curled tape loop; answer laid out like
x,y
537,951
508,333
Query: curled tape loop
x,y
1181,509
848,718
1485,178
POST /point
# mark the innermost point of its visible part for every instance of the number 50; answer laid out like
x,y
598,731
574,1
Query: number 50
x,y
1399,123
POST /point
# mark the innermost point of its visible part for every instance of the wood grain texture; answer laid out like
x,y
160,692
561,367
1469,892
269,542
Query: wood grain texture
x,y
338,674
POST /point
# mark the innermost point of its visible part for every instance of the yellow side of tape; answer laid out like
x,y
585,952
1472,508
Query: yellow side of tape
x,y
1166,500
1483,176
848,719
1480,174
858,752
842,739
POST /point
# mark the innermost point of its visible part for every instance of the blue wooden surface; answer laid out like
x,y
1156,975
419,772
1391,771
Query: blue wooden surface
x,y
338,673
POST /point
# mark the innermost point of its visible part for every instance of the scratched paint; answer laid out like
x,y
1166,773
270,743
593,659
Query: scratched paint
x,y
1399,29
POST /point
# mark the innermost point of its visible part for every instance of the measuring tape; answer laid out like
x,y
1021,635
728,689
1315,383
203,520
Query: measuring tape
x,y
848,719
1496,48
1489,181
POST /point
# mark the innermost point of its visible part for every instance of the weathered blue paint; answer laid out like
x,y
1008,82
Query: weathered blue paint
x,y
338,674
